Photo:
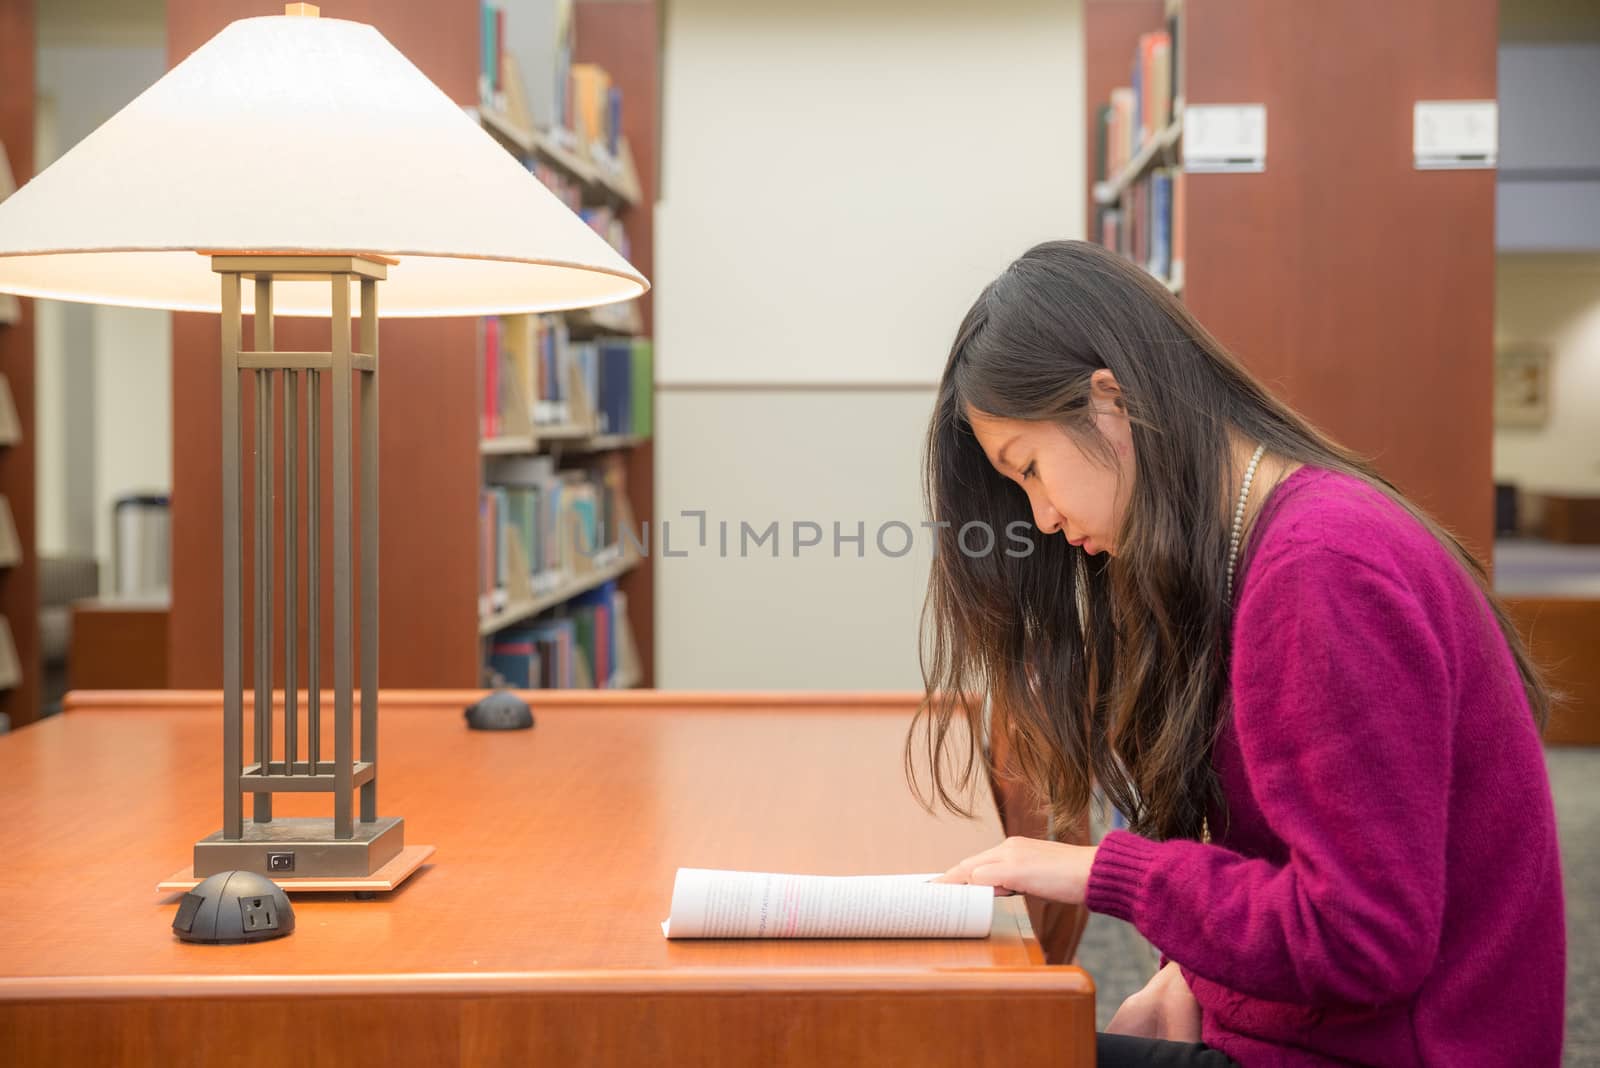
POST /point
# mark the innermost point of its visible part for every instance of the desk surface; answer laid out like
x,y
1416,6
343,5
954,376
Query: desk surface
x,y
556,846
532,936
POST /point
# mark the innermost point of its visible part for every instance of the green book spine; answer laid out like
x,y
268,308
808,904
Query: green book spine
x,y
583,624
644,383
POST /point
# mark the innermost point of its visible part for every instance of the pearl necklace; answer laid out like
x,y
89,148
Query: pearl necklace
x,y
1238,515
1233,559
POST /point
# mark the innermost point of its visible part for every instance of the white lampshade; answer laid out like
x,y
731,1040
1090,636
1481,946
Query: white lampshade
x,y
294,133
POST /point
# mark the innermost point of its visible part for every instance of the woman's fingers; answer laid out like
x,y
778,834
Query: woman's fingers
x,y
962,873
995,874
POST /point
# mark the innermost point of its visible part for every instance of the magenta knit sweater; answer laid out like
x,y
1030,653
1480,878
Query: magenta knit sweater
x,y
1385,887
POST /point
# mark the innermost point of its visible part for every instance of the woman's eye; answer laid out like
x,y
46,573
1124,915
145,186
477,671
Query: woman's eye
x,y
1028,472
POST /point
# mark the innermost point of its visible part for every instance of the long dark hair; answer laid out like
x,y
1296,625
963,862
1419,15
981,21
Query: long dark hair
x,y
1108,671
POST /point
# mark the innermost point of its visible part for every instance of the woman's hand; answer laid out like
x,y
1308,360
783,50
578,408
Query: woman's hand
x,y
1163,1009
1051,870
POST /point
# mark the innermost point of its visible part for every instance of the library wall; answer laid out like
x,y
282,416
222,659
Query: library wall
x,y
821,617
1554,301
840,178
806,300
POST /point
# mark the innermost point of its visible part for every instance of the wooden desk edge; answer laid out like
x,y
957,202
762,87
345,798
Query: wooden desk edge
x,y
829,701
1045,982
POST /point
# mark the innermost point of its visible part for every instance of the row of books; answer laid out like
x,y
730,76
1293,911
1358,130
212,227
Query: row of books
x,y
552,523
1146,225
559,182
544,655
604,221
595,109
1137,113
566,96
532,360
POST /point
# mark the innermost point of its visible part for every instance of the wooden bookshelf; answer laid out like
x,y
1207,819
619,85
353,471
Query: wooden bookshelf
x,y
1164,147
606,442
1356,286
622,38
570,439
617,178
616,320
19,580
10,304
519,611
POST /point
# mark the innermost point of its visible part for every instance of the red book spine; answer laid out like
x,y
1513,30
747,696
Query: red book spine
x,y
491,377
499,48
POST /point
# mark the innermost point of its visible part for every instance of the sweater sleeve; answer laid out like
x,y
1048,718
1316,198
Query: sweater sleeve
x,y
1342,706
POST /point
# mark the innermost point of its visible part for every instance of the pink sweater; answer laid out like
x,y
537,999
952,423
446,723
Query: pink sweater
x,y
1385,887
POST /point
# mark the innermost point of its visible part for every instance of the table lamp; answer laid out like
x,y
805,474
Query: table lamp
x,y
305,156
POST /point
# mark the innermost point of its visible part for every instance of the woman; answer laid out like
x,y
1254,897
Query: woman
x,y
1321,727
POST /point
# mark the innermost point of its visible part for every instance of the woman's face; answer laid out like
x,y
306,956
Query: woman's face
x,y
1070,490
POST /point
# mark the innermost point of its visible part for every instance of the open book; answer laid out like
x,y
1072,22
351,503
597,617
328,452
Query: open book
x,y
749,904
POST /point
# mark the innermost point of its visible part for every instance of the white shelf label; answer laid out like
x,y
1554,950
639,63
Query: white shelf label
x,y
1225,137
1455,134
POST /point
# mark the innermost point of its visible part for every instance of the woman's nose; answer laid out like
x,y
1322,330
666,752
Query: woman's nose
x,y
1045,517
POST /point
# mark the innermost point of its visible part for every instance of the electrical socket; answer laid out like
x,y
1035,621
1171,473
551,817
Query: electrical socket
x,y
280,862
260,914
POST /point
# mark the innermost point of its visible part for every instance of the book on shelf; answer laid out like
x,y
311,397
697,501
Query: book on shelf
x,y
540,36
708,903
1146,224
566,188
597,109
581,644
539,525
1135,115
1119,131
573,107
491,52
536,376
489,417
1152,82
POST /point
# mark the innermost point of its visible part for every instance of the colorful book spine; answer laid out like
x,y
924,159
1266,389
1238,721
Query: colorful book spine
x,y
643,386
614,120
490,361
1160,263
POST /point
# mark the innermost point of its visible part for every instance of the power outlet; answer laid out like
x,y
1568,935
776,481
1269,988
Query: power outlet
x,y
280,862
260,914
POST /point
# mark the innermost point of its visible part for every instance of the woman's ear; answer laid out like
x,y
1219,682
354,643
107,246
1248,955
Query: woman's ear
x,y
1104,393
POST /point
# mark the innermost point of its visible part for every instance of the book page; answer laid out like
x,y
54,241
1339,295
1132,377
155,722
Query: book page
x,y
708,903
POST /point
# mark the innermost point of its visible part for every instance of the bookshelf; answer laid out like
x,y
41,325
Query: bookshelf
x,y
531,605
19,591
1163,147
10,304
1355,285
616,178
574,388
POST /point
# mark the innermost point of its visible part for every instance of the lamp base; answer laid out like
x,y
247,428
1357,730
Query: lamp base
x,y
301,846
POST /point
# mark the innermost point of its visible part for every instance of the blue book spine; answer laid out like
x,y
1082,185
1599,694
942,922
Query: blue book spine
x,y
614,120
1161,225
514,662
616,386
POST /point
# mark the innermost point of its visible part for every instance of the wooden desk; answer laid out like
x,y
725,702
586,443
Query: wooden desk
x,y
1562,634
533,936
118,644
